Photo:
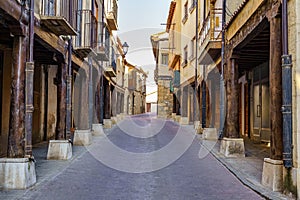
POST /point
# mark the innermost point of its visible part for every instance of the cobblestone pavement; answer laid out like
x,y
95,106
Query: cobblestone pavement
x,y
85,177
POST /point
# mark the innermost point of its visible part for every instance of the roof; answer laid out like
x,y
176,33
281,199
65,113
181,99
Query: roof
x,y
236,12
140,70
170,16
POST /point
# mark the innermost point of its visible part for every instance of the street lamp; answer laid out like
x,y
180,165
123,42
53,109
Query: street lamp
x,y
125,47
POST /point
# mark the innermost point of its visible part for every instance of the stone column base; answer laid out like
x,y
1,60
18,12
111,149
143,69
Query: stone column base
x,y
107,123
177,118
97,130
59,150
173,116
184,121
114,120
196,124
272,175
120,117
232,147
82,138
17,173
210,134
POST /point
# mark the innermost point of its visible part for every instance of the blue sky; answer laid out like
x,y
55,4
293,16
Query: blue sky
x,y
138,20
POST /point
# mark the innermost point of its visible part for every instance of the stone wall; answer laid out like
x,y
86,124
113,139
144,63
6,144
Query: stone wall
x,y
165,99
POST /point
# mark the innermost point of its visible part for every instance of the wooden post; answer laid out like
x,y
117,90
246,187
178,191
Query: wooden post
x,y
232,116
16,138
275,86
61,101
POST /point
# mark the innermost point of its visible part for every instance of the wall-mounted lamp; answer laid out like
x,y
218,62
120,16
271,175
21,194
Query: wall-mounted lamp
x,y
125,47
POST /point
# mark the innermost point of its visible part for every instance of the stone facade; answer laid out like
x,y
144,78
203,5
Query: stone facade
x,y
165,99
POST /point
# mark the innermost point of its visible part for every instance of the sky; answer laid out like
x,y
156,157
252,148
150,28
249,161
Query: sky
x,y
138,20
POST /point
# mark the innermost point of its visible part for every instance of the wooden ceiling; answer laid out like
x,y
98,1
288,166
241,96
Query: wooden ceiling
x,y
255,49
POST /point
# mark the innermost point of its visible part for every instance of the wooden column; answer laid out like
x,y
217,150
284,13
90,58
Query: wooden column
x,y
61,101
17,105
232,115
275,86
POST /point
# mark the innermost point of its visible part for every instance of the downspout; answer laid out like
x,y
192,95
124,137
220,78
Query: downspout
x,y
91,102
101,67
69,80
196,65
222,86
29,85
286,91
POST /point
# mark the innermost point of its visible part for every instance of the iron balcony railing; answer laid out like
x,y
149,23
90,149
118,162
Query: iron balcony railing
x,y
211,27
86,25
60,8
102,45
114,10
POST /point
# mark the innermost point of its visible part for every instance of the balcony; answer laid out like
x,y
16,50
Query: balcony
x,y
86,40
56,16
102,45
210,38
112,16
111,69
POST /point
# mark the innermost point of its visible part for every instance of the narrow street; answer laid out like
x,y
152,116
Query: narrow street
x,y
189,177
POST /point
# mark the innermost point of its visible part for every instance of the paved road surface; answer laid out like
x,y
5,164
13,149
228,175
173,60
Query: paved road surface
x,y
187,178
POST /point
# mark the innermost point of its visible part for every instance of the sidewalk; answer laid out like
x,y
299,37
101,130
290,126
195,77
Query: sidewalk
x,y
248,169
46,170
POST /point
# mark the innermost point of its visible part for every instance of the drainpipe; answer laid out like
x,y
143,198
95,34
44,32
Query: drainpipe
x,y
286,91
69,80
29,85
101,68
222,86
196,65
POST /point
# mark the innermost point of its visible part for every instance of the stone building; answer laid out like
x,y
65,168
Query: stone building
x,y
259,90
162,74
60,71
135,89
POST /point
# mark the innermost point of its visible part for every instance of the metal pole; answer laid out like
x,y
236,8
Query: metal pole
x,y
222,86
29,86
196,65
286,91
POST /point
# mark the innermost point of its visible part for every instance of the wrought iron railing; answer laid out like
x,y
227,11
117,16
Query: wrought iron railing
x,y
211,27
60,8
102,45
86,25
114,10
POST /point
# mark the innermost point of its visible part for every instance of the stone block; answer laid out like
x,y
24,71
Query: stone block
x,y
210,134
272,175
59,150
82,137
107,123
17,173
114,120
97,130
177,118
196,124
173,116
184,121
232,147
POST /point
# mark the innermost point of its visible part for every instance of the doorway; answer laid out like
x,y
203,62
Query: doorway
x,y
261,103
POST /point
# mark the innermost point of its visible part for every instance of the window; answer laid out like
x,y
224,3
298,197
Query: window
x,y
193,5
165,59
192,48
185,16
185,55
